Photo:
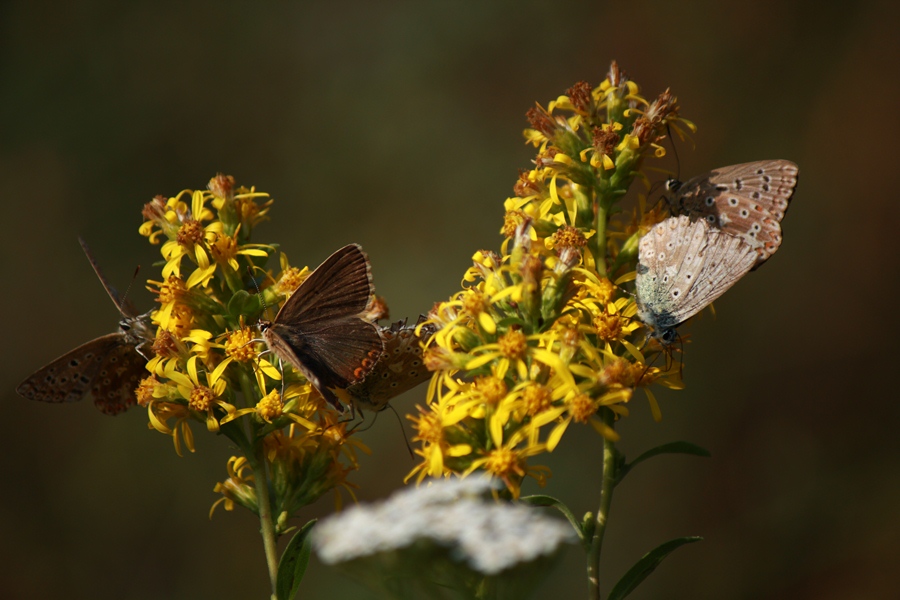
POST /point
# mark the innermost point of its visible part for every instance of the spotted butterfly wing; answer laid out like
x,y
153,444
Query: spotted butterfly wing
x,y
400,368
323,330
747,200
106,370
682,267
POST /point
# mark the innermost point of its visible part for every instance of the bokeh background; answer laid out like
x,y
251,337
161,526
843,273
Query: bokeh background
x,y
398,125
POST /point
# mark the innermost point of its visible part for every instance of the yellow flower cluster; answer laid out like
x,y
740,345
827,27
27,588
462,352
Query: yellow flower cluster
x,y
206,363
542,336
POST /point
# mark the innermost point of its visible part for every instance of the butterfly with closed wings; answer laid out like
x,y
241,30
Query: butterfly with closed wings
x,y
107,369
323,330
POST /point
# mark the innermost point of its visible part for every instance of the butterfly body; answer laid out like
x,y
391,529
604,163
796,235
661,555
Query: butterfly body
x,y
322,330
682,267
106,369
748,200
400,368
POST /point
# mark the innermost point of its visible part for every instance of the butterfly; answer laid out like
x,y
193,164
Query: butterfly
x,y
747,200
682,267
107,369
398,370
323,330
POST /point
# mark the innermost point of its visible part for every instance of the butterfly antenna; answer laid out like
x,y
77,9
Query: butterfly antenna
x,y
674,151
262,300
137,270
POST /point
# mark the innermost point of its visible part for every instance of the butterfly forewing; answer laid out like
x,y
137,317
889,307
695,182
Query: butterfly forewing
x,y
340,287
747,200
107,370
322,329
682,267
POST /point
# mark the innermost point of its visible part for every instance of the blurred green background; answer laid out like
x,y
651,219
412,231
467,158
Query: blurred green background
x,y
398,125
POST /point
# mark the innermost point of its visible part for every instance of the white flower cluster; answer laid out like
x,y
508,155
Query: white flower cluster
x,y
489,536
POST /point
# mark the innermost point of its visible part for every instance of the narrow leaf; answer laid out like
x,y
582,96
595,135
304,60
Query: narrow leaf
x,y
672,448
647,565
541,500
293,563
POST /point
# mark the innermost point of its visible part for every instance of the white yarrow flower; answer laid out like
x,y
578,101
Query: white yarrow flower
x,y
486,535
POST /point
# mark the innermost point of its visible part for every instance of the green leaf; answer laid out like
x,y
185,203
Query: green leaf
x,y
541,500
237,306
293,563
647,565
672,448
243,303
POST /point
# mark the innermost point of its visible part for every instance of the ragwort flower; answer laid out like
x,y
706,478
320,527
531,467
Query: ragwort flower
x,y
543,335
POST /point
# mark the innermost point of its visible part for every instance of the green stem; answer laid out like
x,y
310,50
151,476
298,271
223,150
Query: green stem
x,y
599,240
255,453
606,492
267,524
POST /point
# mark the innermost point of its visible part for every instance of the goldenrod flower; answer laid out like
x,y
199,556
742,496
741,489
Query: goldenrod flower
x,y
543,335
203,394
207,365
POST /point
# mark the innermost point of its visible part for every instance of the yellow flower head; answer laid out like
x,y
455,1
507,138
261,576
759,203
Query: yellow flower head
x,y
544,334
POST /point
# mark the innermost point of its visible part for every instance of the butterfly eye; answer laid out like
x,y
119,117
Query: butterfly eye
x,y
672,184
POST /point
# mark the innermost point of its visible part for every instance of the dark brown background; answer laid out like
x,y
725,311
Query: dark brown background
x,y
397,125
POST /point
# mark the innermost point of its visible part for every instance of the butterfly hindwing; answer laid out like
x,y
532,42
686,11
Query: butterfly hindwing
x,y
725,260
113,390
684,266
399,369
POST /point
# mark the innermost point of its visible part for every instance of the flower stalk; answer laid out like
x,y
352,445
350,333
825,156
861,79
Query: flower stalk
x,y
609,477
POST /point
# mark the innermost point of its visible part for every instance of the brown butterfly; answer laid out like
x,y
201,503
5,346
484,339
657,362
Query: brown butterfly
x,y
399,369
747,200
323,330
107,369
